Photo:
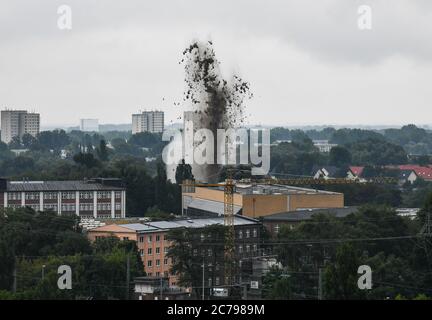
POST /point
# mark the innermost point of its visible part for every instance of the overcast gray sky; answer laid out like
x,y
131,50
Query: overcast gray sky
x,y
306,60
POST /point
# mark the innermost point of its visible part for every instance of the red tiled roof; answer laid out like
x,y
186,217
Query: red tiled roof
x,y
423,172
357,170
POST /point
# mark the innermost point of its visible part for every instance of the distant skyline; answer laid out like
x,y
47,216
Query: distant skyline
x,y
121,126
307,62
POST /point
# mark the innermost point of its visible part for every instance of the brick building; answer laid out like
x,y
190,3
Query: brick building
x,y
95,198
153,245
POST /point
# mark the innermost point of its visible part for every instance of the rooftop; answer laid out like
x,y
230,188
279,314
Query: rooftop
x,y
211,206
67,185
138,227
249,189
306,214
421,171
158,226
200,223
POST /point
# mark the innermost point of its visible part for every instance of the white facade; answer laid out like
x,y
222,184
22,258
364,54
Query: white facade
x,y
324,145
17,123
89,125
148,121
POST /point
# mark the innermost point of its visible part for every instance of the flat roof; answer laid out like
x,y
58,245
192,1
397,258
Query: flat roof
x,y
306,214
261,189
211,206
67,185
138,227
200,222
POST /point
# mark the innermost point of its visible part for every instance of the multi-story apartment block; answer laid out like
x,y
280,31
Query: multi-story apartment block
x,y
153,244
89,125
95,198
148,121
17,123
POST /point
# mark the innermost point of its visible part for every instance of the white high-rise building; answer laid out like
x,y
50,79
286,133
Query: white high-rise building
x,y
89,125
17,123
148,121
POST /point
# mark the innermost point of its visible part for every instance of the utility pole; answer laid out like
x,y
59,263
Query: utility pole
x,y
14,284
428,226
161,288
426,229
127,275
203,281
320,291
245,291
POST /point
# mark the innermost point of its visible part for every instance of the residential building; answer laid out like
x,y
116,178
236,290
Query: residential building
x,y
355,173
148,121
326,172
16,123
408,212
405,176
323,145
157,288
153,245
421,171
258,200
260,267
95,198
89,125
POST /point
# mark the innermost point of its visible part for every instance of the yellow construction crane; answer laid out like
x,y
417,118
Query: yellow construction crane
x,y
188,186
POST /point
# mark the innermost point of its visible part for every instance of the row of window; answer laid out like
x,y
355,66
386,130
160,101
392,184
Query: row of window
x,y
68,207
241,234
247,233
104,194
157,263
104,206
209,251
69,195
150,251
150,238
150,274
50,206
248,248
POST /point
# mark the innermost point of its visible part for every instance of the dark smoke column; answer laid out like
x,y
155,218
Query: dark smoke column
x,y
216,103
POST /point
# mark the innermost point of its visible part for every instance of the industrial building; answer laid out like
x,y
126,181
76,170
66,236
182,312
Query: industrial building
x,y
259,200
16,123
95,198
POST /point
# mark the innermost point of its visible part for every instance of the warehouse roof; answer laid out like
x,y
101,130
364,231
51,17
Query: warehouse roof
x,y
245,189
211,206
306,214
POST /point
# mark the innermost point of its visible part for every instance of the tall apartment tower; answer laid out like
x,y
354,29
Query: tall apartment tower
x,y
17,123
148,121
89,125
